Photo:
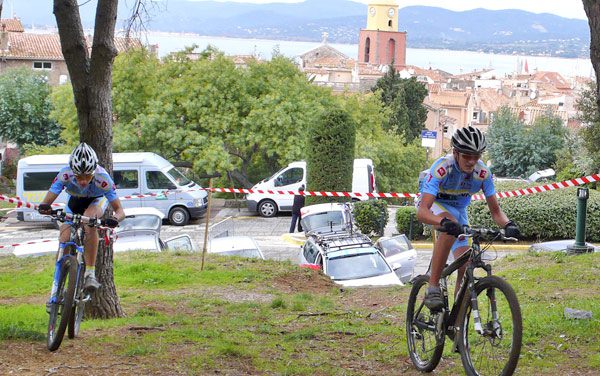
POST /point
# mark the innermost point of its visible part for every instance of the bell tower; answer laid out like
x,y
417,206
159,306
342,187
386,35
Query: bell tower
x,y
381,42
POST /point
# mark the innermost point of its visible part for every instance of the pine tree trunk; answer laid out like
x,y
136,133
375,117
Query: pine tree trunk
x,y
105,303
91,78
592,10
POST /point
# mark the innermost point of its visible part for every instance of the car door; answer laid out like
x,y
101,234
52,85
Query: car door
x,y
288,180
127,182
157,183
400,254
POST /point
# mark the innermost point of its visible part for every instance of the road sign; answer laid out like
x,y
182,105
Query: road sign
x,y
428,138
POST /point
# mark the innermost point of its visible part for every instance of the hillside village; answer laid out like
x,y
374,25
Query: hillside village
x,y
454,101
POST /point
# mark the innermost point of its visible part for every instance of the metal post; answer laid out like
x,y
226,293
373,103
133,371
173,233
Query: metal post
x,y
410,226
207,223
579,246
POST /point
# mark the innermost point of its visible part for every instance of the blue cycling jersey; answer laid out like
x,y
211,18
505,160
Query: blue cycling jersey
x,y
451,186
100,185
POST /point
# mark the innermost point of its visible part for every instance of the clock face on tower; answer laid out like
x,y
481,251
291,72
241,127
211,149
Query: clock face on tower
x,y
391,12
372,11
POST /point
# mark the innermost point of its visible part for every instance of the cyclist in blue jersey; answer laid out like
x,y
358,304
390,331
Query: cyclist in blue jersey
x,y
446,193
89,187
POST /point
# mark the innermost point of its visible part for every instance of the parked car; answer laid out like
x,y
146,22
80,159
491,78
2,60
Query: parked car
x,y
140,230
348,259
242,246
400,254
327,217
291,177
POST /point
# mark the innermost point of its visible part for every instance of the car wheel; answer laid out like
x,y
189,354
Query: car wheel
x,y
179,216
267,208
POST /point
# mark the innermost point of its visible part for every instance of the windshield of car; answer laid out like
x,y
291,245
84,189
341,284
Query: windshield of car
x,y
180,178
323,220
252,253
139,222
357,265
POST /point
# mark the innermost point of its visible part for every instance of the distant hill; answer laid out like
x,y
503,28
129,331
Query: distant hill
x,y
500,31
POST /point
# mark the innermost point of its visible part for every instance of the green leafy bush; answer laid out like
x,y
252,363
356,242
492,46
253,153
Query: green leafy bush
x,y
403,222
371,216
543,216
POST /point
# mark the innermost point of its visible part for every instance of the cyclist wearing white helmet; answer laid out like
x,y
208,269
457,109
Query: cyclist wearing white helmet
x,y
89,187
446,193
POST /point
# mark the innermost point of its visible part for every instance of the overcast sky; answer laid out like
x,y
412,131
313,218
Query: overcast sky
x,y
564,8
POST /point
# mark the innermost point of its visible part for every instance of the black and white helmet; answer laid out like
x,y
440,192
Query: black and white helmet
x,y
83,160
469,140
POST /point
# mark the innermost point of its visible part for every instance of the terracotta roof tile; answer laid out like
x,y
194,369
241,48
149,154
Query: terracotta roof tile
x,y
449,98
47,46
11,24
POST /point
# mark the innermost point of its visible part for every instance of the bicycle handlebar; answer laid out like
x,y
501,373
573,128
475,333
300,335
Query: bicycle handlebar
x,y
61,216
487,233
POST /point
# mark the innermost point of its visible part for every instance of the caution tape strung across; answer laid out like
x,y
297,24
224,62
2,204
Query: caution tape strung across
x,y
519,192
31,242
544,188
516,193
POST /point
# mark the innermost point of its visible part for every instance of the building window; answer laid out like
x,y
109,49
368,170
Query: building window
x,y
475,115
367,49
391,50
45,65
390,23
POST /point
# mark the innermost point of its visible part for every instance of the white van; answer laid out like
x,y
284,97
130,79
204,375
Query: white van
x,y
290,178
134,174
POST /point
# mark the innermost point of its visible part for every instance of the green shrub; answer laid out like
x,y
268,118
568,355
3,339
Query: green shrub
x,y
330,157
371,216
403,222
543,216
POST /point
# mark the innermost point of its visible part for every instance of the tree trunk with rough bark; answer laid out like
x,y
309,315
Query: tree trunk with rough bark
x,y
592,10
90,71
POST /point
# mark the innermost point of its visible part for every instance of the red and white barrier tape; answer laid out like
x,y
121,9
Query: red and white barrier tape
x,y
31,242
515,193
544,188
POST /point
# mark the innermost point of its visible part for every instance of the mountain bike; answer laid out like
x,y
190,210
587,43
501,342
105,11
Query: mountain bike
x,y
68,297
484,322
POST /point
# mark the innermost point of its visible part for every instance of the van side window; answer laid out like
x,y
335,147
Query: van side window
x,y
38,181
158,180
125,179
291,176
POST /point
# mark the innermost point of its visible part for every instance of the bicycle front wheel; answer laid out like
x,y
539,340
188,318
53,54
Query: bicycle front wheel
x,y
78,306
424,332
60,312
495,349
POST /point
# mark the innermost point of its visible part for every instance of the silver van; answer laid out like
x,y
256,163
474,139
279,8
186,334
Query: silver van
x,y
133,174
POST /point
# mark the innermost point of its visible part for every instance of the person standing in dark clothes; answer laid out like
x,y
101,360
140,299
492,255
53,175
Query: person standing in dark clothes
x,y
298,204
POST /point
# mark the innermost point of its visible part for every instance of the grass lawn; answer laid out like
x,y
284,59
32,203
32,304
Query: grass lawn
x,y
251,317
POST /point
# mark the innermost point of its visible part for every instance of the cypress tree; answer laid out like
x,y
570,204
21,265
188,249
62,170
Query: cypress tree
x,y
330,156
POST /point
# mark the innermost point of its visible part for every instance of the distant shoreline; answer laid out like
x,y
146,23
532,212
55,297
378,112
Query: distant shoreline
x,y
304,40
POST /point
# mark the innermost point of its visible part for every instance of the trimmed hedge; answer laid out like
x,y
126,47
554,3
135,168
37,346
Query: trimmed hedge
x,y
370,216
403,214
330,155
543,216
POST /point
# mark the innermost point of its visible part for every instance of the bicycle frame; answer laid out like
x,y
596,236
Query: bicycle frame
x,y
76,241
472,257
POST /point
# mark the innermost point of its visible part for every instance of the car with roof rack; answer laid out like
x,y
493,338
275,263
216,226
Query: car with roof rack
x,y
349,259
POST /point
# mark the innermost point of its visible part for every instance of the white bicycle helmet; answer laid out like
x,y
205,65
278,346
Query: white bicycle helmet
x,y
469,140
83,160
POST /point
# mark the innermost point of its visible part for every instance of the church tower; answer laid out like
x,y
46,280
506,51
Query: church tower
x,y
381,42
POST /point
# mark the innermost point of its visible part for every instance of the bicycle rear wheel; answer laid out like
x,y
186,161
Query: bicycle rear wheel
x,y
60,312
424,338
78,306
496,351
